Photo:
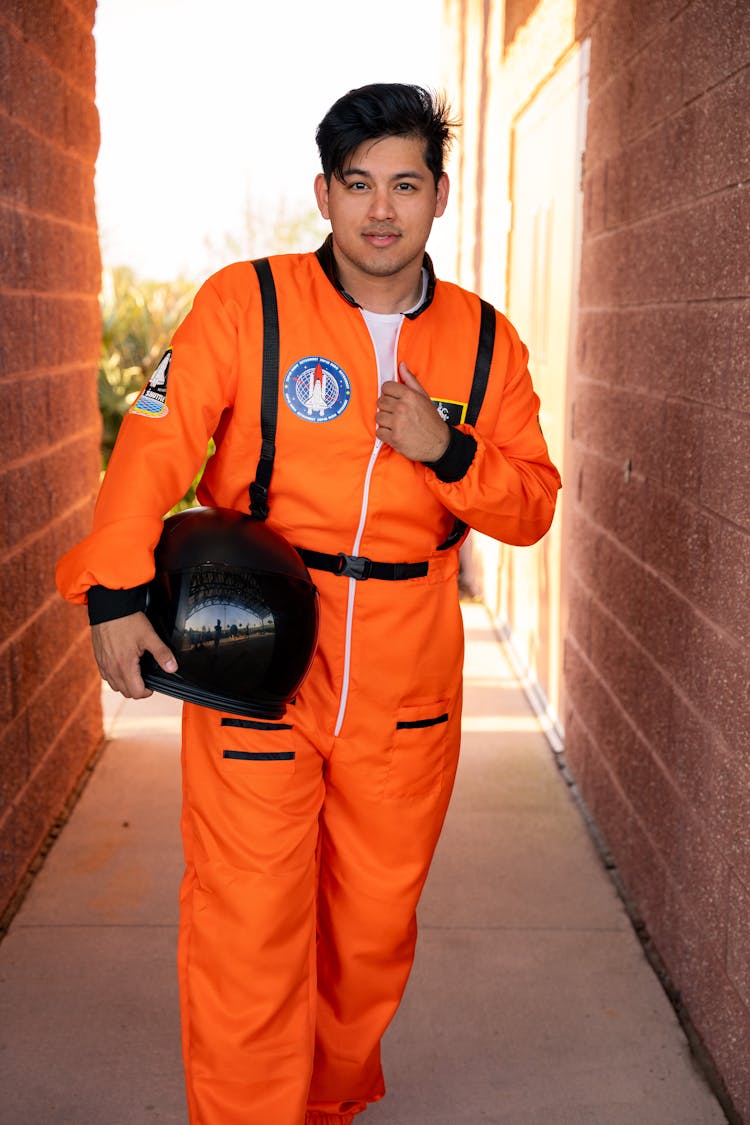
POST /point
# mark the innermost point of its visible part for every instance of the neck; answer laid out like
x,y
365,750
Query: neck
x,y
393,294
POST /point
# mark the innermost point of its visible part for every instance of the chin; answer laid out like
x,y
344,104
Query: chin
x,y
382,264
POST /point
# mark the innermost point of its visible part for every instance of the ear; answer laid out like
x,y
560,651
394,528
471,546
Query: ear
x,y
321,195
443,187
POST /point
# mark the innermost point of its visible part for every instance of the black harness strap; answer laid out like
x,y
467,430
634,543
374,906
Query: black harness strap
x,y
483,362
482,365
360,567
269,402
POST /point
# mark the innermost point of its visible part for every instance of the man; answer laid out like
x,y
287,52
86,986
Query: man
x,y
303,871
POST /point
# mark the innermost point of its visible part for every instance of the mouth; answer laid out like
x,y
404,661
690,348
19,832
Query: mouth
x,y
381,238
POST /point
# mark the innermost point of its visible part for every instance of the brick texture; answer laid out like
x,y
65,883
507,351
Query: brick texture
x,y
50,328
657,723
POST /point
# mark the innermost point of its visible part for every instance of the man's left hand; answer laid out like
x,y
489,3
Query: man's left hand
x,y
407,420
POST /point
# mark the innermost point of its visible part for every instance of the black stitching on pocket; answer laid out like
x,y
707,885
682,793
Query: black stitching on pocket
x,y
411,724
250,724
247,756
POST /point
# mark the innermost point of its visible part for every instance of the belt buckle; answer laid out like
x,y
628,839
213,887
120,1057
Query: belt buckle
x,y
354,566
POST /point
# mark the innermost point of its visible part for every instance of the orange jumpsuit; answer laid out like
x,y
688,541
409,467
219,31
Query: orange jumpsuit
x,y
303,871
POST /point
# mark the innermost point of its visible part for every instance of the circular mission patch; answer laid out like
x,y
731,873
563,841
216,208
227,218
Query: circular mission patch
x,y
317,389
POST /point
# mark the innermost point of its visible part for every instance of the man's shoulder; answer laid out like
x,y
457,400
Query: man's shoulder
x,y
242,270
459,298
237,277
236,284
466,302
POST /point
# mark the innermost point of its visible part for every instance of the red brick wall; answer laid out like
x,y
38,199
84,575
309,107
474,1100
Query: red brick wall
x,y
50,719
658,650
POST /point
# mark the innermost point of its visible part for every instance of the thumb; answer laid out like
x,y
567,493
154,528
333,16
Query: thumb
x,y
161,654
410,380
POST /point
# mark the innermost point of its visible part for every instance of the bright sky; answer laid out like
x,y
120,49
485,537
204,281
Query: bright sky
x,y
210,106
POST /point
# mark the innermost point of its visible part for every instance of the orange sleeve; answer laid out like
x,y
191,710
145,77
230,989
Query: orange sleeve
x,y
510,488
157,455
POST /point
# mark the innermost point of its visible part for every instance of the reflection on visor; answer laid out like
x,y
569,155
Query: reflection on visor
x,y
222,607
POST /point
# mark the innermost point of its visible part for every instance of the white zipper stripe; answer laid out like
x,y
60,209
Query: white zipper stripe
x,y
352,587
355,549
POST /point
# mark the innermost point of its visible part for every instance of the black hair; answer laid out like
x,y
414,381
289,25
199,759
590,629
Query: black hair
x,y
384,109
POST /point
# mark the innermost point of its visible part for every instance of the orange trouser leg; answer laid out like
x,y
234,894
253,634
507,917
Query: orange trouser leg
x,y
380,825
247,943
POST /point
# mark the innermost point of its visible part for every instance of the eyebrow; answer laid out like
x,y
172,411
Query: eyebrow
x,y
412,175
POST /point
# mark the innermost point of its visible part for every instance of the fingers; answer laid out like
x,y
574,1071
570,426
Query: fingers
x,y
118,646
408,421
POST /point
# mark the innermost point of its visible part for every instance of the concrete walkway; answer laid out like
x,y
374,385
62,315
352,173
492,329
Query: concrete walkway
x,y
531,1002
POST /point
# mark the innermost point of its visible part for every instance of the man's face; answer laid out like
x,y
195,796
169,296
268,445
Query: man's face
x,y
382,212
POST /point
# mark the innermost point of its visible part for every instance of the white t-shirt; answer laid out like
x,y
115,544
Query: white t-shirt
x,y
384,329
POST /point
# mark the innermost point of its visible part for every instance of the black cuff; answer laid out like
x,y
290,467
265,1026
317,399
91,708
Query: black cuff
x,y
454,463
106,605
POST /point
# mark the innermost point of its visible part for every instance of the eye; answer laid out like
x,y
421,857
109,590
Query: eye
x,y
405,186
356,185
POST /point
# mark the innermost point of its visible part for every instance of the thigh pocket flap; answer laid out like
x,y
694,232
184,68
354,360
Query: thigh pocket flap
x,y
262,746
418,752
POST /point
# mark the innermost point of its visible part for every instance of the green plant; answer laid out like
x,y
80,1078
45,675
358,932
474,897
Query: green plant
x,y
138,321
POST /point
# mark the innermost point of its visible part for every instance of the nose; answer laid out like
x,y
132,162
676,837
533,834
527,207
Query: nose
x,y
381,204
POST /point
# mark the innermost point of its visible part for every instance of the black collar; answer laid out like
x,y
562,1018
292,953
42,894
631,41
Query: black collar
x,y
328,265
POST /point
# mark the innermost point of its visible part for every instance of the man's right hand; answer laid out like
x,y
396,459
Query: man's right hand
x,y
118,647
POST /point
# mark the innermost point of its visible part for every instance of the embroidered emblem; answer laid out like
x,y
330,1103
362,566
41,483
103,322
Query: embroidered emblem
x,y
152,402
451,411
317,389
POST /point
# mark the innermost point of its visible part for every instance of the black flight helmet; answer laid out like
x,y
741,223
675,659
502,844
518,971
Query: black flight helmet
x,y
236,605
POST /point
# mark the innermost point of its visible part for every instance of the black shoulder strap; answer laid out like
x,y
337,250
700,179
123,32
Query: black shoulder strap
x,y
482,366
482,363
269,401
